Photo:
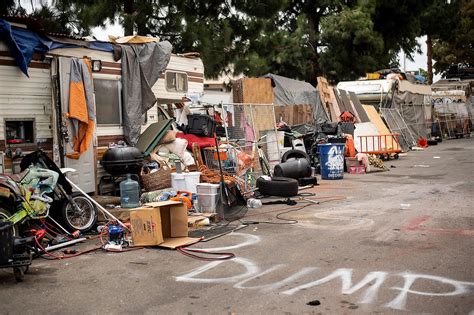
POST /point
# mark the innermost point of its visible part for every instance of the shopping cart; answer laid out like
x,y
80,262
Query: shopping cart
x,y
227,156
383,146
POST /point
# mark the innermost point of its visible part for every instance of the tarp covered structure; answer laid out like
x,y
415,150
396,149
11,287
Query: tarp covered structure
x,y
293,92
413,101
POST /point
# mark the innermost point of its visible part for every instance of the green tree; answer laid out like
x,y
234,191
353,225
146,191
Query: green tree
x,y
295,38
352,47
457,47
438,22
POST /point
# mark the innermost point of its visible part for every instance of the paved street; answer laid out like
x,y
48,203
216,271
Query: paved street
x,y
391,242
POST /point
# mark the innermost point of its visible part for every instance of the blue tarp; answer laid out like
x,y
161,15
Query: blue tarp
x,y
23,43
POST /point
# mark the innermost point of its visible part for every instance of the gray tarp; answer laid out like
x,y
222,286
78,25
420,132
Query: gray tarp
x,y
142,65
293,92
415,110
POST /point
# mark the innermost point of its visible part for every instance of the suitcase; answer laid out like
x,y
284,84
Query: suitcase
x,y
201,125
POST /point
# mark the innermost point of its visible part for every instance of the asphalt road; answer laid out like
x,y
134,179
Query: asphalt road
x,y
394,242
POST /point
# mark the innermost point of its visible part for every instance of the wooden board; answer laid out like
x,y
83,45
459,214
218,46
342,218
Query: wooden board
x,y
325,95
253,91
294,114
328,99
340,104
358,106
348,104
258,91
375,118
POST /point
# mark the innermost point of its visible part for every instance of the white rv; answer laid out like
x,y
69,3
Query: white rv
x,y
29,106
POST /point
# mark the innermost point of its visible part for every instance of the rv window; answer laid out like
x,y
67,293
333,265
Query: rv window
x,y
108,102
19,131
176,81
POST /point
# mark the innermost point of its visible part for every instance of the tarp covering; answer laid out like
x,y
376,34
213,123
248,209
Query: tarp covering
x,y
415,108
142,65
23,43
293,92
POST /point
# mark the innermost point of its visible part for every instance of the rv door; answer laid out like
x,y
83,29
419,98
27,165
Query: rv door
x,y
84,177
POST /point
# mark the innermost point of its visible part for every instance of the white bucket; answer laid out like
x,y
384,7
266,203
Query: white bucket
x,y
207,202
185,181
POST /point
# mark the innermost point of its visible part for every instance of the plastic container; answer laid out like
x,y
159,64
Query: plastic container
x,y
207,197
254,203
206,188
129,193
207,202
185,181
331,160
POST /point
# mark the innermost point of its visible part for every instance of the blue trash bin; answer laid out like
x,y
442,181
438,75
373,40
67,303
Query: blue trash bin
x,y
331,157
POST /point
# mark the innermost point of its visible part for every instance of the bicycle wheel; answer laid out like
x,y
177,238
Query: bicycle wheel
x,y
264,163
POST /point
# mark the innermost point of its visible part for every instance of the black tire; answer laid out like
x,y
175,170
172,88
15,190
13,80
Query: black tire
x,y
82,221
4,215
278,186
396,156
294,154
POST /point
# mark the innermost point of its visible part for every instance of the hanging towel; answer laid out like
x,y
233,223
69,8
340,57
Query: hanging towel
x,y
81,106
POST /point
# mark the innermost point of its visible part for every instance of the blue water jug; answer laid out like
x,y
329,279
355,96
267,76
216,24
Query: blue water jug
x,y
129,193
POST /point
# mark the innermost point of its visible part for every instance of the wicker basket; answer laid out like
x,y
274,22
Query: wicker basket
x,y
160,179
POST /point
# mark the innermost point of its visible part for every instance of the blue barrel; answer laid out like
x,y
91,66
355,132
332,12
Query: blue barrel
x,y
331,158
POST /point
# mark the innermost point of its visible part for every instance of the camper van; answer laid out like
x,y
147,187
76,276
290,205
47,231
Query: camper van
x,y
29,106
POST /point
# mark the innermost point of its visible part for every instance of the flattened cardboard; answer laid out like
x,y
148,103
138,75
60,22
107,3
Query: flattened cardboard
x,y
175,242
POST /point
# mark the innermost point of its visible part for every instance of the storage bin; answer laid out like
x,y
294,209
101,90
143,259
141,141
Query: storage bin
x,y
185,181
357,169
206,188
207,197
207,202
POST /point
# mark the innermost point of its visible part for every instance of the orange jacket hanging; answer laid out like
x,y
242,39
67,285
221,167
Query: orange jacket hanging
x,y
81,106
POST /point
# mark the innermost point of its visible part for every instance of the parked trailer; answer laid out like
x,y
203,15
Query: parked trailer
x,y
29,106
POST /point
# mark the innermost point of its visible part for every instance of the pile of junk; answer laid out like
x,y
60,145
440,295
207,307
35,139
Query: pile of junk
x,y
193,160
181,174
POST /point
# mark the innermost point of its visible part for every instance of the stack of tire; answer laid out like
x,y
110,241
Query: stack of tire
x,y
293,171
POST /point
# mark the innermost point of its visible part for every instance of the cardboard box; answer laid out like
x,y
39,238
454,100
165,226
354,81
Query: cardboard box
x,y
161,224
